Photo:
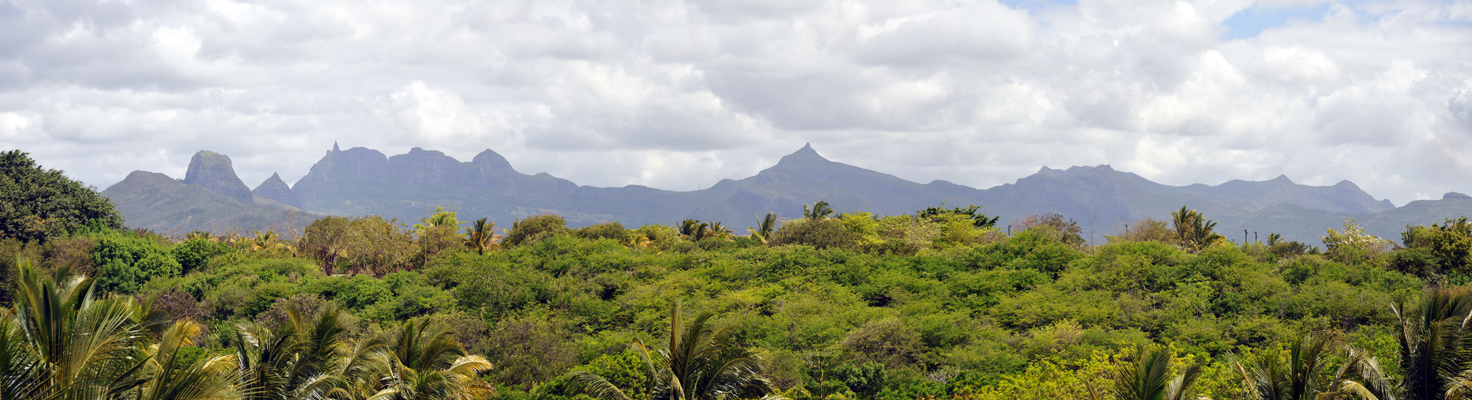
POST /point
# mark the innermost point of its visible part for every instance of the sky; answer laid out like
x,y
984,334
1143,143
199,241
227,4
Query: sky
x,y
680,94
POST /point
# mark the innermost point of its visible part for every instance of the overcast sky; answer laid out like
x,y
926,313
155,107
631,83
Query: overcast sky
x,y
677,95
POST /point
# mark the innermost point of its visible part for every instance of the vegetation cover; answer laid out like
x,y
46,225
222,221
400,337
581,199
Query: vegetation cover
x,y
939,303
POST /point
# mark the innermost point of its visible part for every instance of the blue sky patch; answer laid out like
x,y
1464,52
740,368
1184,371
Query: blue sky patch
x,y
1252,21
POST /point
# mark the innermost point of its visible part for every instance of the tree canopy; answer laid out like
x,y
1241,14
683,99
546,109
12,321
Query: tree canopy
x,y
37,204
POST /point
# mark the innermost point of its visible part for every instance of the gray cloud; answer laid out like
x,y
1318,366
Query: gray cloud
x,y
679,94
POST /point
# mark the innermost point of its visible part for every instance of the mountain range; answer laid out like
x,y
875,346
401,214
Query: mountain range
x,y
361,181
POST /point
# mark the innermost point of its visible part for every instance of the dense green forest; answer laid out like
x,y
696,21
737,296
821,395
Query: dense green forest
x,y
938,303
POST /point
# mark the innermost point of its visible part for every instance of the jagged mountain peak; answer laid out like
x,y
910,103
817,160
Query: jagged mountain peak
x,y
276,190
804,155
492,160
215,172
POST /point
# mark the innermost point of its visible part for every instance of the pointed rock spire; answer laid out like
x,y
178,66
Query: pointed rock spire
x,y
276,190
215,172
334,147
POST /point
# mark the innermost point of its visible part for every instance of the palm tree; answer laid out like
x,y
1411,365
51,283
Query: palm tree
x,y
1146,377
1274,239
425,362
1302,375
211,378
1431,342
719,230
64,343
701,362
764,227
481,236
293,359
693,230
262,240
820,210
1193,230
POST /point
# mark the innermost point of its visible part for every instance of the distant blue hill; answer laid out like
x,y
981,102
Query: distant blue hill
x,y
362,181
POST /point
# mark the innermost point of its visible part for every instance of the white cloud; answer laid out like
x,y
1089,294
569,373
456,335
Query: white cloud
x,y
678,94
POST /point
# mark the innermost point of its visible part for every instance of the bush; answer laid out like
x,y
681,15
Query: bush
x,y
127,262
609,230
1418,261
529,349
534,229
889,342
194,254
821,234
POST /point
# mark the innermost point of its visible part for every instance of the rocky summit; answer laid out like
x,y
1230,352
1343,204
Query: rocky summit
x,y
214,171
361,181
275,189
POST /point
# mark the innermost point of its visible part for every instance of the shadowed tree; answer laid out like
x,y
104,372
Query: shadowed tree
x,y
700,362
1303,373
1432,344
694,230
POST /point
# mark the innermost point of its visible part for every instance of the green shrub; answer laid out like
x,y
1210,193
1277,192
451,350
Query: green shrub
x,y
126,262
534,229
194,254
607,230
821,234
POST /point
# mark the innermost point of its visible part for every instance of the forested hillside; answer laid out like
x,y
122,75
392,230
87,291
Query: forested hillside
x,y
935,303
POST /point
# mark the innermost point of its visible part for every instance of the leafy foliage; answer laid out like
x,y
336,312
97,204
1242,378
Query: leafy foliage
x,y
39,205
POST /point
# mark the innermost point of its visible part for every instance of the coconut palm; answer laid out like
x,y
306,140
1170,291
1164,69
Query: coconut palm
x,y
425,362
820,210
1431,342
701,362
1193,230
1147,377
481,236
764,227
1302,375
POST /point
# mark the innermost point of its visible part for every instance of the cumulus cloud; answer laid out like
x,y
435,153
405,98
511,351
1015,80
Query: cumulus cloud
x,y
678,94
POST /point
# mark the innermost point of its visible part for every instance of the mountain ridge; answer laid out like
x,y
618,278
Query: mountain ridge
x,y
361,181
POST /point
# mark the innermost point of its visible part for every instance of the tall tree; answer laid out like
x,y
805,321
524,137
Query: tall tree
x,y
481,236
1194,231
38,204
820,210
700,362
425,362
1432,346
764,227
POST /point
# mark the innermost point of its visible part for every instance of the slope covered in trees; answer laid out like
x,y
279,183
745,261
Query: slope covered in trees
x,y
841,306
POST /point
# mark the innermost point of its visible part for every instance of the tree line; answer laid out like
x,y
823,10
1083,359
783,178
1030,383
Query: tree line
x,y
938,303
